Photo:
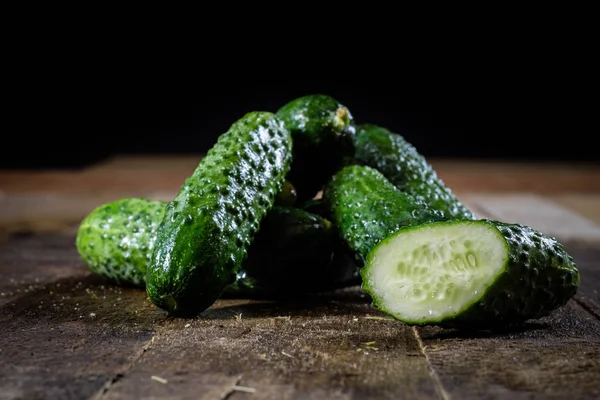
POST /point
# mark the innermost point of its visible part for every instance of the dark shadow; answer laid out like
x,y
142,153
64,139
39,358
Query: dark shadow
x,y
442,333
96,300
342,302
22,233
71,335
351,294
92,300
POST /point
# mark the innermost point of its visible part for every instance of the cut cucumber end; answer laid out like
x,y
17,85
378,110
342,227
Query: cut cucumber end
x,y
434,272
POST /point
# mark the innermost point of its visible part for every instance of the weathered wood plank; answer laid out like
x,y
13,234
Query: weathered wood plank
x,y
539,213
587,257
64,332
553,358
70,335
51,213
67,334
586,205
518,177
28,264
131,182
324,347
158,173
187,162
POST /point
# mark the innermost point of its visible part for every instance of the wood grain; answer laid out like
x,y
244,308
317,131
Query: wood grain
x,y
323,348
113,340
64,333
68,334
538,212
552,358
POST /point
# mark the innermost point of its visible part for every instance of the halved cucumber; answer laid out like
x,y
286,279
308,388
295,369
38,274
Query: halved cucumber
x,y
480,273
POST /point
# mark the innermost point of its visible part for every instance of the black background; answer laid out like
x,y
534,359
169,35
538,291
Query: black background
x,y
82,128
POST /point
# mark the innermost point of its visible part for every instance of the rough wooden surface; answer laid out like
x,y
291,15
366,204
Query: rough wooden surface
x,y
66,334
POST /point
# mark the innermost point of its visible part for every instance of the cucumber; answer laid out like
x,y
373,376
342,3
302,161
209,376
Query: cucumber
x,y
341,272
292,250
116,239
315,206
476,274
401,163
207,228
366,208
322,130
287,196
297,251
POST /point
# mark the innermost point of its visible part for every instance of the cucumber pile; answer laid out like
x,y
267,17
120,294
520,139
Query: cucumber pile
x,y
250,221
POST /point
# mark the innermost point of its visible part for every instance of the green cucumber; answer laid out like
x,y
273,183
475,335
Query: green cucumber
x,y
401,163
287,196
116,239
207,228
476,274
366,208
322,130
315,206
292,250
341,272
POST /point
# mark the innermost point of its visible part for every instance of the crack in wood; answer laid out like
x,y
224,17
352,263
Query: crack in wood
x,y
437,383
104,390
231,390
587,308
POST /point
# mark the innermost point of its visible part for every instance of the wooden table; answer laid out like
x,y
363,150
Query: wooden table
x,y
66,334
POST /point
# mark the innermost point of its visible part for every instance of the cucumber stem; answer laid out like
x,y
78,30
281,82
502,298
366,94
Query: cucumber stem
x,y
342,117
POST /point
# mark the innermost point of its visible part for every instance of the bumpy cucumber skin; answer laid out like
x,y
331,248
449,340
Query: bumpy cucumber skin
x,y
293,250
366,208
116,239
401,163
539,277
208,227
322,130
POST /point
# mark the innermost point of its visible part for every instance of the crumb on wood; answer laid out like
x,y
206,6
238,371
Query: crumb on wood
x,y
379,318
244,389
366,346
159,379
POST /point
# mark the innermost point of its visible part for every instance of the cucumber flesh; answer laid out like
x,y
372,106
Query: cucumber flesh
x,y
435,272
469,274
